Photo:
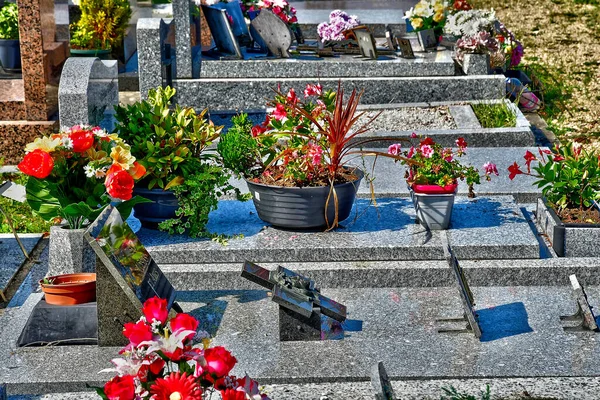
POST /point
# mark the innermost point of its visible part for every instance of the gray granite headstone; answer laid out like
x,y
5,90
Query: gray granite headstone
x,y
476,64
221,31
151,36
381,383
584,315
183,41
88,92
126,276
274,32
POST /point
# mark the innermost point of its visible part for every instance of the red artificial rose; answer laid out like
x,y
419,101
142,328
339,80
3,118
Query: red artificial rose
x,y
120,388
137,333
258,130
184,322
155,368
38,164
427,141
231,394
119,184
176,386
219,361
82,140
156,308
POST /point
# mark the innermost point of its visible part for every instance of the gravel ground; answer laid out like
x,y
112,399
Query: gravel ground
x,y
410,119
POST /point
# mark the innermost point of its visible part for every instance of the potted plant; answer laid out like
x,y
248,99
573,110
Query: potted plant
x,y
101,27
433,178
568,213
10,50
339,21
295,162
69,289
183,177
172,359
427,19
73,176
473,53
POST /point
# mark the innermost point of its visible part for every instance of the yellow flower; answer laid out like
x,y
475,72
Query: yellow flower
x,y
94,155
416,22
420,9
438,16
44,143
438,8
122,157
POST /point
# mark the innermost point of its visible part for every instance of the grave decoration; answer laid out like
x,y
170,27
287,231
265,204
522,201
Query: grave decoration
x,y
304,313
381,383
433,178
405,48
570,181
366,44
427,18
339,22
466,296
295,162
274,33
584,315
127,276
220,29
170,358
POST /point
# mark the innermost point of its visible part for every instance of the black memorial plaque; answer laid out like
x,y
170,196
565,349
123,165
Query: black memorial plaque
x,y
381,383
584,315
405,48
221,31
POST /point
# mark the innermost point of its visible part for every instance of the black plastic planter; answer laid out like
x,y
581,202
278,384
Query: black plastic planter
x,y
568,240
10,54
163,207
303,207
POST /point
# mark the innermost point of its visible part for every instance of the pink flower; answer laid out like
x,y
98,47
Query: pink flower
x,y
427,151
447,154
280,112
490,168
291,97
394,149
315,153
413,135
313,90
411,152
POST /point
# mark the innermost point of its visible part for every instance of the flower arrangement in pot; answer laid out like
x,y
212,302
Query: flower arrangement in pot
x,y
10,49
433,175
73,176
100,28
339,22
172,359
569,179
427,18
295,162
183,176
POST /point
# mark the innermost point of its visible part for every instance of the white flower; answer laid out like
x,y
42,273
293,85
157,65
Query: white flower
x,y
280,3
67,143
167,345
125,366
89,171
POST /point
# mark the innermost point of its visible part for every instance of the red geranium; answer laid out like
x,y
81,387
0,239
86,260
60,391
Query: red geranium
x,y
119,184
176,386
120,388
38,164
82,140
427,142
184,322
514,171
219,362
231,394
156,308
137,333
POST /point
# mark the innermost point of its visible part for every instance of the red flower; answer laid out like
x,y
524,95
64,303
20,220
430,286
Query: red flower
x,y
155,368
545,151
461,142
82,140
120,388
137,171
156,308
514,171
184,322
119,184
137,333
529,157
291,97
219,362
427,141
280,112
258,130
232,394
38,164
313,90
558,157
176,386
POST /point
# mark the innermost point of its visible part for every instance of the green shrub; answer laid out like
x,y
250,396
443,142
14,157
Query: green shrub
x,y
9,21
102,24
238,149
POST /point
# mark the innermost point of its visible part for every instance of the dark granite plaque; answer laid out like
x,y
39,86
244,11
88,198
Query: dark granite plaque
x,y
236,17
381,383
274,32
584,315
221,31
427,39
3,391
405,48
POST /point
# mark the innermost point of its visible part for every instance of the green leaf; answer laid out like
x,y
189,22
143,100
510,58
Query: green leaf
x,y
42,198
125,207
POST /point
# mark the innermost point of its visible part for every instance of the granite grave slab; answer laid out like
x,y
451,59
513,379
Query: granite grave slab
x,y
12,257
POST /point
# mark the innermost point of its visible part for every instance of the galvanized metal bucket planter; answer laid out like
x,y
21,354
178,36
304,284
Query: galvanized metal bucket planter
x,y
433,205
303,207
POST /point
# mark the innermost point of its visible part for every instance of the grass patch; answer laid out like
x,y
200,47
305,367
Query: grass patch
x,y
22,217
495,115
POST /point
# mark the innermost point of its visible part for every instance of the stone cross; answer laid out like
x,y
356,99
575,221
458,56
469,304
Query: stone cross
x,y
584,315
303,310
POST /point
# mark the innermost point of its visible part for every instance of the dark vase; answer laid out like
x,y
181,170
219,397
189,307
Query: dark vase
x,y
10,54
161,209
303,207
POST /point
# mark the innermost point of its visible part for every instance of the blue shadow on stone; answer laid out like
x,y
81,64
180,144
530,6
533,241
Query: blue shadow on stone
x,y
482,212
503,321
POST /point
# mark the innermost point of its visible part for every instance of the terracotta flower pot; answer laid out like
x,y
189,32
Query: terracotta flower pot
x,y
70,289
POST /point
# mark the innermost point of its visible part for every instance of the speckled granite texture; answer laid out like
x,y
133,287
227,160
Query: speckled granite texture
x,y
14,136
183,47
69,252
151,33
241,93
476,64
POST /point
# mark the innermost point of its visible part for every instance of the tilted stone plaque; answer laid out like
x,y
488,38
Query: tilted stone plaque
x,y
381,383
304,313
584,315
274,32
466,296
366,44
126,276
220,29
405,48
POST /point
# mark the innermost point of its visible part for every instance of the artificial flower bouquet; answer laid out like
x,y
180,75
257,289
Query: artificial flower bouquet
x,y
433,164
281,8
339,22
75,174
480,43
569,179
172,360
428,14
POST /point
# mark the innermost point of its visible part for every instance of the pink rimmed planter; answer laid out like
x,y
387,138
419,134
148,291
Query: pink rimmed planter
x,y
433,204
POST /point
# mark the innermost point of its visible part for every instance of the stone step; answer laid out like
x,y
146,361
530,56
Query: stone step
x,y
484,228
245,93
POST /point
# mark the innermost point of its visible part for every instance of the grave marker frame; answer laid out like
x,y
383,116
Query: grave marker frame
x,y
405,47
584,315
274,32
221,31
